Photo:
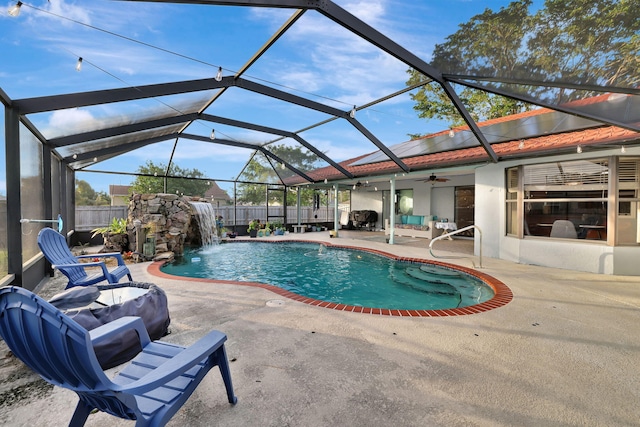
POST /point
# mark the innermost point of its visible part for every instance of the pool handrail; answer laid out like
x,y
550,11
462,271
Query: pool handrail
x,y
448,235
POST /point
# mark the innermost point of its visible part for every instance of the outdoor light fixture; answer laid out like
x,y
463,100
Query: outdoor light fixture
x,y
213,134
219,75
352,113
95,159
325,180
15,10
79,64
451,133
521,145
579,149
623,149
75,156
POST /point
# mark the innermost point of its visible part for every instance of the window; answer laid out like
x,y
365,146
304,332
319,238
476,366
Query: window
x,y
574,192
512,201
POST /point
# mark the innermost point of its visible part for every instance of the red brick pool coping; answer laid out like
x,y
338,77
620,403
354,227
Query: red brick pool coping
x,y
502,293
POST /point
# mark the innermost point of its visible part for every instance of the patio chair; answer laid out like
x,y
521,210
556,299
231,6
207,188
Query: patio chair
x,y
564,229
150,389
54,247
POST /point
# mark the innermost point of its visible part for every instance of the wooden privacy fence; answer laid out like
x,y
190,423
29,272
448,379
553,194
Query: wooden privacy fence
x,y
90,217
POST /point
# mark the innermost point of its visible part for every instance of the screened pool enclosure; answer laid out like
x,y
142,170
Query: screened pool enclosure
x,y
322,96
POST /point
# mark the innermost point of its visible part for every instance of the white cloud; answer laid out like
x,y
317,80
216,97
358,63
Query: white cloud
x,y
75,120
70,11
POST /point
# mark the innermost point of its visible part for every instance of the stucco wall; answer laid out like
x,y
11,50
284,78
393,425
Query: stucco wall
x,y
579,255
366,199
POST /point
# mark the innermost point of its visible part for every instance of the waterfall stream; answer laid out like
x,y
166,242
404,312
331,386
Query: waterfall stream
x,y
206,218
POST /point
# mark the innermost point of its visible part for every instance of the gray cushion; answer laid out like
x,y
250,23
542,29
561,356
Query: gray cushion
x,y
78,296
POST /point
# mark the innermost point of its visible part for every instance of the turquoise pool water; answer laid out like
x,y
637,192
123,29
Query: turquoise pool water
x,y
344,276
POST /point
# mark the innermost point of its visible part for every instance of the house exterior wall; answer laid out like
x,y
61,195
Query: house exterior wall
x,y
421,198
368,200
117,200
578,255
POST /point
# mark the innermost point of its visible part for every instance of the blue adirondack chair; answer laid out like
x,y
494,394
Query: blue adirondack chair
x,y
150,389
54,247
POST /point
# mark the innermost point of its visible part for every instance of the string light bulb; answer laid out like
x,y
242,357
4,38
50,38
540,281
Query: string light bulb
x,y
79,64
95,159
15,9
352,113
75,156
579,149
213,134
219,75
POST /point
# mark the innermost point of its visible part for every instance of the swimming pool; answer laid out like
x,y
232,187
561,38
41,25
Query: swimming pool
x,y
339,276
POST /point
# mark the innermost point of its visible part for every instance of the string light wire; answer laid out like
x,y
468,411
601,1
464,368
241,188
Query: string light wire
x,y
161,49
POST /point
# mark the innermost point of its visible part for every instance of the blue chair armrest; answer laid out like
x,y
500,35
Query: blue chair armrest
x,y
104,332
100,264
116,255
178,364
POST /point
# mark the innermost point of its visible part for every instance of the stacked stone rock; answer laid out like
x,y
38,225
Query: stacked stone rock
x,y
169,215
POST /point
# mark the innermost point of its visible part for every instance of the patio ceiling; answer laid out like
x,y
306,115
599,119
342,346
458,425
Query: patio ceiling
x,y
190,106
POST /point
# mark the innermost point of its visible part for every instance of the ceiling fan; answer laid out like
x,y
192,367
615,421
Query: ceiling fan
x,y
358,185
434,178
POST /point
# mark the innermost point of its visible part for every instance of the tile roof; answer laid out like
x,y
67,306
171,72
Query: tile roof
x,y
119,190
546,145
215,192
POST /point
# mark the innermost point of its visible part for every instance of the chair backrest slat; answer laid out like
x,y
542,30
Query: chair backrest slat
x,y
54,247
49,342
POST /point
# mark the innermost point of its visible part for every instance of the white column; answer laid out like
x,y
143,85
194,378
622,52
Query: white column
x,y
298,202
336,218
392,210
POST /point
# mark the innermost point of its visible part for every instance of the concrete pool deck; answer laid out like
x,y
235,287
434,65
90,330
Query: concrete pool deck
x,y
564,352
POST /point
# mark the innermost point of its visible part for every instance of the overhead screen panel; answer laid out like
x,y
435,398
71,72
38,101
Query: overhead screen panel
x,y
63,123
214,161
244,105
260,169
558,55
118,144
294,155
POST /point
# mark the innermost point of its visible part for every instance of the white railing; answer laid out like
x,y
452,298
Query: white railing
x,y
448,235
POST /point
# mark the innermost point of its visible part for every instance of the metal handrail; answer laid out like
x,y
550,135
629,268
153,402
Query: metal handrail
x,y
448,235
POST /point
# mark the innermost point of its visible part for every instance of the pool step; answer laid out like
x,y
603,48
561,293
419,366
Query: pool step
x,y
424,282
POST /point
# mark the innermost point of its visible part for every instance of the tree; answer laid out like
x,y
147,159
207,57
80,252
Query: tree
x,y
586,42
570,41
152,180
489,41
266,170
87,196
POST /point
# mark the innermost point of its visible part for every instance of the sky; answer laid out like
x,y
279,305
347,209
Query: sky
x,y
127,44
